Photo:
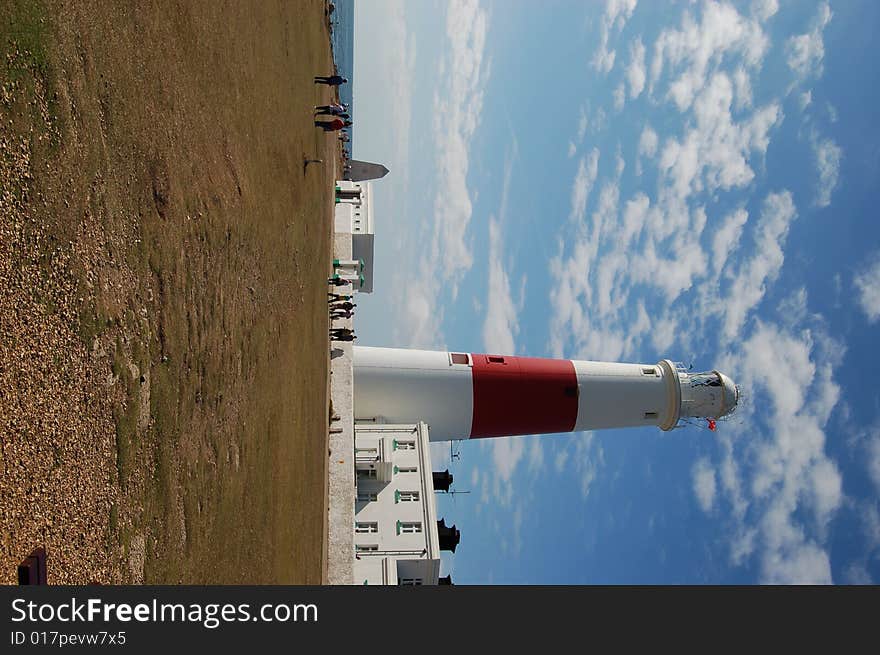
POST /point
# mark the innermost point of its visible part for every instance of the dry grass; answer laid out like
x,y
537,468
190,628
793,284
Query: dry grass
x,y
163,344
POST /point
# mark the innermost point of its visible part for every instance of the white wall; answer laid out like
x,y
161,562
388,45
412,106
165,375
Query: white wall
x,y
357,219
398,554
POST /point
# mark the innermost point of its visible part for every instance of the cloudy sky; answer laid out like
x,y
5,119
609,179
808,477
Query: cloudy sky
x,y
631,181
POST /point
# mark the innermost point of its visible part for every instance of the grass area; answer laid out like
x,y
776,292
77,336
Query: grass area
x,y
183,247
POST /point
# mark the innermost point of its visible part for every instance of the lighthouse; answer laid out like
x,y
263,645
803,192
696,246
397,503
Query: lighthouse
x,y
468,395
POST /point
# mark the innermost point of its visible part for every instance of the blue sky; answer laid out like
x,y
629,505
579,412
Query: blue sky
x,y
631,181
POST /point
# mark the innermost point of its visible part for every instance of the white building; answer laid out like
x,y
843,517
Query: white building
x,y
354,215
397,536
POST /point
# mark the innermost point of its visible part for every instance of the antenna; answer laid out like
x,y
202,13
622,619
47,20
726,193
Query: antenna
x,y
453,453
453,494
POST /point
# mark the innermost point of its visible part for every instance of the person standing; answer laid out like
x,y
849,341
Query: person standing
x,y
335,109
331,80
332,126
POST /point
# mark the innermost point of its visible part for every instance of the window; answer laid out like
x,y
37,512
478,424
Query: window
x,y
408,496
410,582
366,548
366,474
496,360
367,497
366,454
459,358
366,528
649,371
405,469
650,415
409,527
405,445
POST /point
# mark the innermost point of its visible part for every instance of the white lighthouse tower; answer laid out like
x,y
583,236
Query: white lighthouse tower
x,y
404,399
466,395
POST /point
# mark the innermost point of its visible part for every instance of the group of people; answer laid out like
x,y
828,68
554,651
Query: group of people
x,y
341,307
341,118
340,304
339,111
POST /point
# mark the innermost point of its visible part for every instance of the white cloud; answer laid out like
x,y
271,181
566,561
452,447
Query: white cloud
x,y
648,142
742,546
536,455
857,574
749,284
867,283
501,324
635,72
585,178
635,214
619,96
401,59
697,48
600,121
582,125
773,486
828,155
617,12
601,261
764,9
574,276
714,153
506,455
458,105
832,112
726,239
585,460
704,483
560,460
444,243
806,51
792,310
870,513
805,98
743,86
572,149
731,485
792,560
792,473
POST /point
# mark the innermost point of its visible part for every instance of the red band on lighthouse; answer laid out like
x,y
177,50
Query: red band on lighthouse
x,y
523,395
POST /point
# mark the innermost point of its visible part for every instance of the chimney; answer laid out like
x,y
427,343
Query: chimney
x,y
442,480
449,536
